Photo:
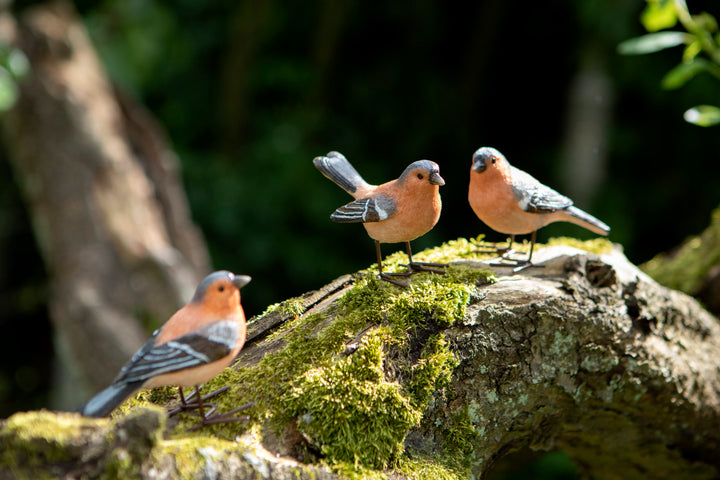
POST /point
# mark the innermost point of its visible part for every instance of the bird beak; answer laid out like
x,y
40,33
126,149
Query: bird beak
x,y
436,179
240,281
479,164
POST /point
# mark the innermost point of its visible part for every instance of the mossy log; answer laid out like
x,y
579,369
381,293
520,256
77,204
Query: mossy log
x,y
693,267
445,379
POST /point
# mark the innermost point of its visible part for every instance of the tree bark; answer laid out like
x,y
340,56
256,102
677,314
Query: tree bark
x,y
587,355
104,195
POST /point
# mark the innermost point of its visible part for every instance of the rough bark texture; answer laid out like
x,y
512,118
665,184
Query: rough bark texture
x,y
587,355
105,199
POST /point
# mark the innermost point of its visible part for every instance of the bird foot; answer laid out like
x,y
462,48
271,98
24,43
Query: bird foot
x,y
519,265
388,278
495,249
415,267
192,403
212,418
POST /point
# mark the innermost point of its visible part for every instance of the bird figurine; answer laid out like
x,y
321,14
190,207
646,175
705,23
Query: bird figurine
x,y
192,347
398,211
513,202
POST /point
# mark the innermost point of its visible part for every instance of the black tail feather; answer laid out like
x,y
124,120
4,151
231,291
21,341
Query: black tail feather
x,y
105,402
336,167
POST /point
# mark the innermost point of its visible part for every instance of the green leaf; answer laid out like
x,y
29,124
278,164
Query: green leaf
x,y
8,91
691,51
681,74
703,115
659,15
653,42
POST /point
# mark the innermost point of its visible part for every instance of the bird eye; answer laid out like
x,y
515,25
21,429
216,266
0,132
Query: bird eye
x,y
420,176
493,160
221,288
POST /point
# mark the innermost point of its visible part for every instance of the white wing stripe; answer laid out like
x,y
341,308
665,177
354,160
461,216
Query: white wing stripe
x,y
189,350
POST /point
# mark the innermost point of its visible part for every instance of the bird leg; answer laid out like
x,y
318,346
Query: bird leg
x,y
209,417
520,265
415,267
388,276
503,251
212,418
190,403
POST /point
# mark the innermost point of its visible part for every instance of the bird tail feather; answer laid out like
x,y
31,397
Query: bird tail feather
x,y
337,168
105,402
586,220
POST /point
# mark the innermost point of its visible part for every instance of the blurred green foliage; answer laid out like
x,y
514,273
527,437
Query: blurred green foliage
x,y
13,67
701,53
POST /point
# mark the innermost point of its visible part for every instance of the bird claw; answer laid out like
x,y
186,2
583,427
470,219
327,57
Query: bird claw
x,y
190,403
495,249
227,417
388,278
415,267
519,265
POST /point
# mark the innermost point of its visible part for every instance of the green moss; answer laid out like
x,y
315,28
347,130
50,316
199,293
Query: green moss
x,y
350,411
146,398
452,250
354,412
422,467
189,454
599,245
437,299
686,268
119,464
459,437
28,439
432,372
291,307
354,379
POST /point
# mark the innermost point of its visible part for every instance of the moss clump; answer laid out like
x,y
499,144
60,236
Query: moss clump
x,y
686,268
452,250
432,372
437,300
459,438
431,468
350,411
29,439
292,307
146,398
599,245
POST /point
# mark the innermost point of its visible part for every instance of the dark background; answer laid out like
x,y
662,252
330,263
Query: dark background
x,y
250,91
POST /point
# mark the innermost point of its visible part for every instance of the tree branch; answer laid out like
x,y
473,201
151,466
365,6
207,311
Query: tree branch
x,y
587,355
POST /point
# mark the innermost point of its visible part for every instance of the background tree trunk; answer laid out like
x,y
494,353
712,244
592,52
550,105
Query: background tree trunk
x,y
586,355
106,203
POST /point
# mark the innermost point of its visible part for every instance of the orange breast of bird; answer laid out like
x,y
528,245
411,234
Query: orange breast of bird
x,y
492,199
418,210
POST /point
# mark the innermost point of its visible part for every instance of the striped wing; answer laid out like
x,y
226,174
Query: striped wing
x,y
371,209
535,197
203,346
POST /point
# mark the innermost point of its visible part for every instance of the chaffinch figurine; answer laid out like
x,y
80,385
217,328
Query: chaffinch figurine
x,y
398,211
511,201
192,347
